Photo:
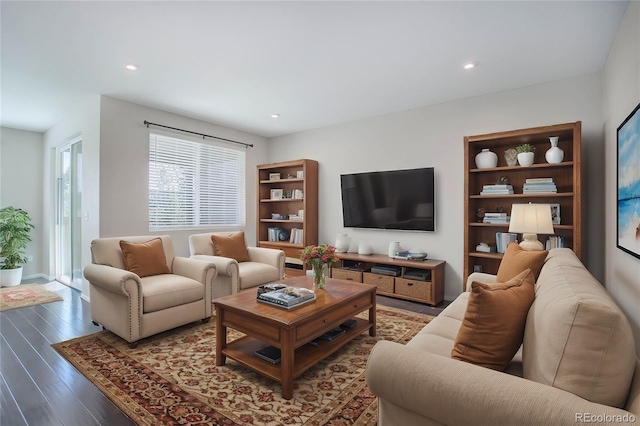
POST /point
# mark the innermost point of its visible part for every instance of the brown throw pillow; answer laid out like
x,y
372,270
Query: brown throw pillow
x,y
232,246
516,259
493,326
145,259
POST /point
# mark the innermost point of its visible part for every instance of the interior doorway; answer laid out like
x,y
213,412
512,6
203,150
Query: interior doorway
x,y
69,214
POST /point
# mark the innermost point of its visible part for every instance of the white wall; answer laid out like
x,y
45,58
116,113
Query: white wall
x,y
433,136
21,186
124,171
83,122
621,95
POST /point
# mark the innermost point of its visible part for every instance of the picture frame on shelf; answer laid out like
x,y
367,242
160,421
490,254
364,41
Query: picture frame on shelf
x,y
555,213
628,184
274,176
276,194
300,174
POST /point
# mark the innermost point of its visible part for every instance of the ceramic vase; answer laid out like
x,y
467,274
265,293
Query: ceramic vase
x,y
554,155
525,158
486,159
342,243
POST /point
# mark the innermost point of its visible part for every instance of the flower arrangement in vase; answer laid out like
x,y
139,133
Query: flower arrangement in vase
x,y
526,153
319,256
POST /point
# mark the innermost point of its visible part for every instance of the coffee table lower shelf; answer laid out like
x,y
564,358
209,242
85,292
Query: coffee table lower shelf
x,y
306,356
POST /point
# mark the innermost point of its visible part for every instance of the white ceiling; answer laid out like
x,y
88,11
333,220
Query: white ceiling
x,y
315,63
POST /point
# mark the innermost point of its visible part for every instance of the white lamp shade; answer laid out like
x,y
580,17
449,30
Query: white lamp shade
x,y
531,219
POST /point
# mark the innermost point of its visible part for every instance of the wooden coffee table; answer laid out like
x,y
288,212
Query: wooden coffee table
x,y
291,330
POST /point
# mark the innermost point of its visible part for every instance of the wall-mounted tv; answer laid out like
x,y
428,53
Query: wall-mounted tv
x,y
393,199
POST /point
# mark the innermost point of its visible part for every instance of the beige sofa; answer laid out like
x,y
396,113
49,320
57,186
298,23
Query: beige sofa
x,y
264,266
577,363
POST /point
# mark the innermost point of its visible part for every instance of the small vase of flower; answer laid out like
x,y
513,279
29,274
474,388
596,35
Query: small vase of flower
x,y
318,257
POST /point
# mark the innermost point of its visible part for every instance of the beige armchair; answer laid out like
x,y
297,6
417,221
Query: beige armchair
x,y
263,265
178,291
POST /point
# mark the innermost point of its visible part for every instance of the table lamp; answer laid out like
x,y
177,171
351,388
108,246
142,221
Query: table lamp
x,y
530,220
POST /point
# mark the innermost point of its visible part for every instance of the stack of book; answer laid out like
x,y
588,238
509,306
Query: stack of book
x,y
496,189
503,239
554,242
496,218
288,297
273,234
296,236
539,185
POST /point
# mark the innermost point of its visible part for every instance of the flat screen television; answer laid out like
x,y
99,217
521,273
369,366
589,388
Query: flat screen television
x,y
394,199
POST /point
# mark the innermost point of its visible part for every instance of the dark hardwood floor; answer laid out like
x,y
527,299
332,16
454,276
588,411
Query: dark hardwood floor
x,y
38,387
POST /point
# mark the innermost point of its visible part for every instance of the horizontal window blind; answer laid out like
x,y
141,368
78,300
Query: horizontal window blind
x,y
194,184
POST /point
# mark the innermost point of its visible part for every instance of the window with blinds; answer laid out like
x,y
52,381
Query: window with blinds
x,y
195,184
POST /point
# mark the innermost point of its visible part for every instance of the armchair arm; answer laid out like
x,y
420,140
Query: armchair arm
x,y
454,392
199,270
273,257
110,278
224,265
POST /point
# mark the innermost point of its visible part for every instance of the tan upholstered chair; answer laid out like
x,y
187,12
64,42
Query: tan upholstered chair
x,y
134,307
265,265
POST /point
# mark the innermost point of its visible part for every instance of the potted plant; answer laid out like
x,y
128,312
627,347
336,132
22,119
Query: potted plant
x,y
15,226
525,154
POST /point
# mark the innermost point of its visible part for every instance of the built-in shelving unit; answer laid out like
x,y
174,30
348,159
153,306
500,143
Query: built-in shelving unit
x,y
566,175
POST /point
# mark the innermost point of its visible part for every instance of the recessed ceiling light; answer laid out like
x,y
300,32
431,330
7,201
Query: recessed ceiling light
x,y
275,115
469,65
131,67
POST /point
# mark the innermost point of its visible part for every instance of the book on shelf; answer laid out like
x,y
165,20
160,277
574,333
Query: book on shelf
x,y
272,234
536,188
288,297
503,239
497,220
539,180
270,354
296,236
496,189
495,214
554,241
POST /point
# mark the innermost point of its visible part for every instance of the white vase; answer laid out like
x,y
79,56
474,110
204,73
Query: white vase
x,y
525,158
554,155
364,248
342,243
394,248
486,159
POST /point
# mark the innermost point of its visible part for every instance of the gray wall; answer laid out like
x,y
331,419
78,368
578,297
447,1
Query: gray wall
x,y
433,136
621,95
124,170
21,187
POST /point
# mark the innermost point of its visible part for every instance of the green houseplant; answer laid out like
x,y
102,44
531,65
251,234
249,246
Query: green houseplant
x,y
526,153
15,227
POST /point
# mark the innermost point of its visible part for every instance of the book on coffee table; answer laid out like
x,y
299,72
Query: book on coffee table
x,y
288,298
269,353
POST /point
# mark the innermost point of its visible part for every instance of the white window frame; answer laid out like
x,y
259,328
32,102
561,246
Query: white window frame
x,y
195,184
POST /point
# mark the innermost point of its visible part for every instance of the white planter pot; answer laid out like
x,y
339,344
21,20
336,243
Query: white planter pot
x,y
525,158
10,277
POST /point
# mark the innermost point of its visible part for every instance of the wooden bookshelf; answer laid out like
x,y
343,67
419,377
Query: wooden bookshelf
x,y
566,175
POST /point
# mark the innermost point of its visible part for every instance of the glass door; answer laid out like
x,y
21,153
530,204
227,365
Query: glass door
x,y
68,215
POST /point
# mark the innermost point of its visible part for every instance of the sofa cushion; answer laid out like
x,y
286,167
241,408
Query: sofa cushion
x,y
232,246
166,291
516,259
493,324
576,338
145,259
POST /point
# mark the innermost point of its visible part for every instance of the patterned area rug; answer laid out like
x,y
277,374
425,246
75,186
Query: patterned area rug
x,y
172,378
24,295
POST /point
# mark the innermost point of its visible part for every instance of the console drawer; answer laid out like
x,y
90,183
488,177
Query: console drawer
x,y
346,274
383,282
413,288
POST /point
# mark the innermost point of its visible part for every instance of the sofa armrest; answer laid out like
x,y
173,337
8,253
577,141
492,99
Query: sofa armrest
x,y
199,270
480,277
273,257
454,392
110,278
